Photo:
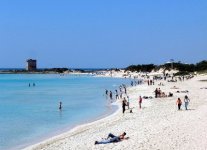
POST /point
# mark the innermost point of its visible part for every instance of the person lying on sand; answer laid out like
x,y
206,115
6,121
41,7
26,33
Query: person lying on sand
x,y
186,91
112,138
147,97
174,87
160,84
171,80
170,94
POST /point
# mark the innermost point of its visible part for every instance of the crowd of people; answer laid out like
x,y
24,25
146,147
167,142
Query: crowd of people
x,y
125,102
121,94
118,93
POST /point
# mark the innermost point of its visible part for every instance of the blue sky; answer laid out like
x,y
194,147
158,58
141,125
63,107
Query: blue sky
x,y
102,33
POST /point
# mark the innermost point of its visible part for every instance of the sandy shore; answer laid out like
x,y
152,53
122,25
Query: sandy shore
x,y
159,125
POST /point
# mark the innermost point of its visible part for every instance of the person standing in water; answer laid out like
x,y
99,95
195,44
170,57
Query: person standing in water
x,y
186,100
125,90
60,106
106,92
117,95
110,95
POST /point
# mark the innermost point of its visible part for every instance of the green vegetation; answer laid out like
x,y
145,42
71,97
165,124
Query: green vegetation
x,y
181,73
142,68
182,68
58,70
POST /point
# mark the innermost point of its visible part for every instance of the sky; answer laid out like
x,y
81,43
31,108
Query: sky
x,y
101,33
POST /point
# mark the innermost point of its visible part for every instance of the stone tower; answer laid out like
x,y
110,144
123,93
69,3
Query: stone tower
x,y
31,65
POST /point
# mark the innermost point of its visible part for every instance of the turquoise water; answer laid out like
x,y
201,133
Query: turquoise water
x,y
30,114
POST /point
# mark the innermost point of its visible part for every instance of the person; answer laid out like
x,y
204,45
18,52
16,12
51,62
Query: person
x,y
140,102
110,95
112,138
125,90
179,103
156,92
121,95
124,105
128,101
60,106
170,94
163,94
186,100
117,95
120,88
159,92
106,92
150,82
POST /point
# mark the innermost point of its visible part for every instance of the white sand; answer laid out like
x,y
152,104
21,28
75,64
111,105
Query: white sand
x,y
157,126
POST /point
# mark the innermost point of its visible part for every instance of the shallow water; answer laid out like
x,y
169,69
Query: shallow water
x,y
29,114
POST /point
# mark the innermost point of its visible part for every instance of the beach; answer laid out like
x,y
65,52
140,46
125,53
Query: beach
x,y
158,125
103,75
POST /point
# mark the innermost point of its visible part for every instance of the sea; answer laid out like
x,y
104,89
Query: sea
x,y
29,105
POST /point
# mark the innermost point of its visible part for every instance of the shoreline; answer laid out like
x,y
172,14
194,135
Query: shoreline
x,y
106,111
67,129
83,126
159,125
76,129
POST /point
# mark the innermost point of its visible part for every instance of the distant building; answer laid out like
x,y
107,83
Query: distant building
x,y
31,65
